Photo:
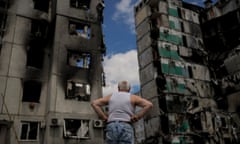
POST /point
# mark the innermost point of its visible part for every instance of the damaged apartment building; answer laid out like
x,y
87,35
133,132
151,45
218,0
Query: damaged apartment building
x,y
51,54
189,68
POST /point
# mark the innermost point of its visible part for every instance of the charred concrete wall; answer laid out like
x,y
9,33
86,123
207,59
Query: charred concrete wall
x,y
50,68
179,74
222,41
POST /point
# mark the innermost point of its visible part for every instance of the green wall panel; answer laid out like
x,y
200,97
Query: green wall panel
x,y
171,38
173,12
168,53
172,70
172,25
175,70
180,88
175,25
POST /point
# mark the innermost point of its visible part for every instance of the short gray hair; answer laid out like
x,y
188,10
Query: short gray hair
x,y
124,85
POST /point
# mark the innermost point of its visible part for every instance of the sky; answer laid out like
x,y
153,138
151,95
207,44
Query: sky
x,y
121,62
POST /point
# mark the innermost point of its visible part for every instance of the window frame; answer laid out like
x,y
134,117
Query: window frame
x,y
28,85
82,59
79,29
72,90
71,4
28,123
39,29
65,135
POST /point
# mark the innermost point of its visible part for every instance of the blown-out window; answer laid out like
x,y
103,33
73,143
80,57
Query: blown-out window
x,y
77,59
78,90
3,19
41,5
80,29
29,130
80,4
31,91
39,29
76,128
35,57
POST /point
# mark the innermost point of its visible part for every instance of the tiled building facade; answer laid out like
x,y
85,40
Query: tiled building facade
x,y
50,69
177,73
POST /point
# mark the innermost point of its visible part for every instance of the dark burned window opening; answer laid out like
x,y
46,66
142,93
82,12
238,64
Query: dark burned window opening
x,y
175,104
184,41
3,3
165,124
35,52
80,4
182,26
80,29
3,19
179,12
78,59
1,36
172,63
223,122
35,57
39,29
190,72
76,129
29,130
42,5
78,90
5,131
3,14
31,91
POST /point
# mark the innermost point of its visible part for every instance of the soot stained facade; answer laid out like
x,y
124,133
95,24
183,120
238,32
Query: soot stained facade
x,y
50,69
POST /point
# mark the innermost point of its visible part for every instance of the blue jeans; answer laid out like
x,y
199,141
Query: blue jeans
x,y
119,133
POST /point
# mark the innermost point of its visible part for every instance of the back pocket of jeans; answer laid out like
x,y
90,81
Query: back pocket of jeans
x,y
127,135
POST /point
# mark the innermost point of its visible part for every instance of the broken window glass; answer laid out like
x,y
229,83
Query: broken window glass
x,y
78,90
80,4
80,60
79,29
76,128
41,5
31,91
29,130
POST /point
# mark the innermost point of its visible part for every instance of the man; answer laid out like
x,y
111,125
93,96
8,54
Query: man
x,y
121,115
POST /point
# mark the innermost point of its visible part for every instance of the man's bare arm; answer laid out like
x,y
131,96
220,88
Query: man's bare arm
x,y
97,106
144,104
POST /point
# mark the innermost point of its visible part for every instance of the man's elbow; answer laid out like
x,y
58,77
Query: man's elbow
x,y
93,103
150,105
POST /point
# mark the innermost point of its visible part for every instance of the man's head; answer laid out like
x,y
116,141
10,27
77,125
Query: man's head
x,y
124,86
